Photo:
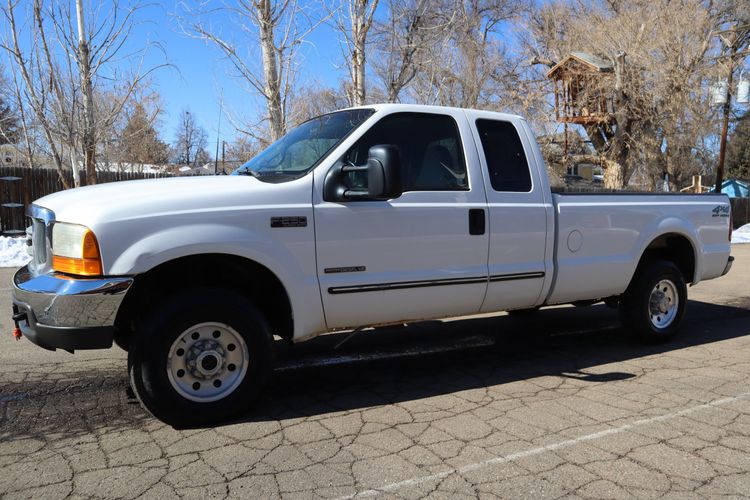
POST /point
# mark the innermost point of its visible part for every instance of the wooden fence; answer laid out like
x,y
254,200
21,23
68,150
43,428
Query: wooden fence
x,y
740,211
20,186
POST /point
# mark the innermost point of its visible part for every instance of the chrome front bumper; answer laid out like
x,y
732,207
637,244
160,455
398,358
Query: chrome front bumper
x,y
56,311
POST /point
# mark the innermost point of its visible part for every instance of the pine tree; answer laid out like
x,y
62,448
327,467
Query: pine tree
x,y
9,127
140,142
738,149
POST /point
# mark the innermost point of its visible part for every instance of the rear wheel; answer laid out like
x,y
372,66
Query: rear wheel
x,y
202,356
654,303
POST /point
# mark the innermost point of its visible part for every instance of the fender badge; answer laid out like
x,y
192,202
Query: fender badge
x,y
351,269
288,221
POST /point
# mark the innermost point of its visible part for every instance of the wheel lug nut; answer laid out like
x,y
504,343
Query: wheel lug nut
x,y
231,347
180,372
231,367
217,383
195,335
180,351
196,386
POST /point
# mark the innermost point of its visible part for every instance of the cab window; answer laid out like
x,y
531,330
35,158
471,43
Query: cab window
x,y
430,148
506,159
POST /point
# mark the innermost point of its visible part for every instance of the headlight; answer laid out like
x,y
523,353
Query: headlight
x,y
75,250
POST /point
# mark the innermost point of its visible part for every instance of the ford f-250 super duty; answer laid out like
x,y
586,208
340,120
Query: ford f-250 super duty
x,y
366,216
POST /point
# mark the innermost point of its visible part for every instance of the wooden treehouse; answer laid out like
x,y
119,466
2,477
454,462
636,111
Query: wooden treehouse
x,y
583,89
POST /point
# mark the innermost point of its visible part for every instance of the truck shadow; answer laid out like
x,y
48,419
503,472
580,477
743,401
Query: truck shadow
x,y
374,368
392,365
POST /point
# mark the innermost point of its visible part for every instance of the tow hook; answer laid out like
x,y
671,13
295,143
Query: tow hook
x,y
19,316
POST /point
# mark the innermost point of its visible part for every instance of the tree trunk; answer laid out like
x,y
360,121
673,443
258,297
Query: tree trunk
x,y
358,74
271,80
360,17
88,139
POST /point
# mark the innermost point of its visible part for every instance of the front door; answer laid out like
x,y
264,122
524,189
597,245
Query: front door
x,y
412,257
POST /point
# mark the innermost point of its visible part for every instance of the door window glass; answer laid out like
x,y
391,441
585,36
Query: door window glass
x,y
430,149
506,159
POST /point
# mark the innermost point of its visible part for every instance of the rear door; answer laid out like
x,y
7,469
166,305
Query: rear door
x,y
412,257
518,214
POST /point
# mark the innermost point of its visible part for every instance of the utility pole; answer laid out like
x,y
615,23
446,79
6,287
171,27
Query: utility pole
x,y
731,39
218,133
223,157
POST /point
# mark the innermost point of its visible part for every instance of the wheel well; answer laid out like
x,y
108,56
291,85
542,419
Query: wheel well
x,y
675,248
245,276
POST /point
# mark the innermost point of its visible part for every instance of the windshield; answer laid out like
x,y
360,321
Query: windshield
x,y
302,148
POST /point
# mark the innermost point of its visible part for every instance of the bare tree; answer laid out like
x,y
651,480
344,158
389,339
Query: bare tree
x,y
315,100
404,42
279,28
239,150
662,56
64,67
470,67
190,141
88,127
25,136
353,19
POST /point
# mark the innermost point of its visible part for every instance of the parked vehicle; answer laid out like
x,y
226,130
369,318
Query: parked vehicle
x,y
366,216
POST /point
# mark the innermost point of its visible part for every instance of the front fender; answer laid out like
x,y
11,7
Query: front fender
x,y
173,243
290,256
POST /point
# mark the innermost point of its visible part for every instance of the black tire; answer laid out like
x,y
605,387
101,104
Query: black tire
x,y
657,322
153,376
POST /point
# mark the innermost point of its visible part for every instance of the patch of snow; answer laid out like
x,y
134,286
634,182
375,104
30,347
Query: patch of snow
x,y
13,252
741,235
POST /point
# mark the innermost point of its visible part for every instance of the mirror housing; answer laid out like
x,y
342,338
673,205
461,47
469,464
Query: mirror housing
x,y
384,178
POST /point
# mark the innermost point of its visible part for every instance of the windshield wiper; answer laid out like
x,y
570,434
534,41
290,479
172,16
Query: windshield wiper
x,y
249,172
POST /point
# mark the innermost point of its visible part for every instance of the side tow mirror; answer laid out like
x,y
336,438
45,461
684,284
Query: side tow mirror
x,y
384,179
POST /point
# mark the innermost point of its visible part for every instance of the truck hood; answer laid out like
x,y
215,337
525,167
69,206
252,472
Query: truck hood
x,y
129,200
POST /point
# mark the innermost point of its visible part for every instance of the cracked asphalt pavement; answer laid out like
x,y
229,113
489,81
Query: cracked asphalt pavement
x,y
559,404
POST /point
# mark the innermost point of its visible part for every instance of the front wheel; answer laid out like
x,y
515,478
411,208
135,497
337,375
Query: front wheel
x,y
200,357
654,303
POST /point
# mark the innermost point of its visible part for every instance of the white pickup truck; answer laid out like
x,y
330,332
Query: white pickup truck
x,y
362,217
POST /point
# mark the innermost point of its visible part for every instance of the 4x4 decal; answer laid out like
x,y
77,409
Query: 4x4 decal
x,y
721,211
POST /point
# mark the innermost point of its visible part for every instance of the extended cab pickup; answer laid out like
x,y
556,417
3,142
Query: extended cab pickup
x,y
366,216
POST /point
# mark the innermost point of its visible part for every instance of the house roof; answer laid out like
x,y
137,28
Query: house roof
x,y
595,63
735,188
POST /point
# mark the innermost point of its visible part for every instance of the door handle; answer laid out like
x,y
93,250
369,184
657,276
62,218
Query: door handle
x,y
476,221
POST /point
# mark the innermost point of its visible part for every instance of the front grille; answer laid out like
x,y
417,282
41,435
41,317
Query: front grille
x,y
41,220
39,242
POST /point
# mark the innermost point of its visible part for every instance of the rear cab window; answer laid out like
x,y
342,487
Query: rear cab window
x,y
506,160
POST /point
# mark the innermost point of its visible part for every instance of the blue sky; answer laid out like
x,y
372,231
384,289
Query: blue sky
x,y
199,79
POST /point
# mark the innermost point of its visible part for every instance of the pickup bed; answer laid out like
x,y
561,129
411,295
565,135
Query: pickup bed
x,y
362,217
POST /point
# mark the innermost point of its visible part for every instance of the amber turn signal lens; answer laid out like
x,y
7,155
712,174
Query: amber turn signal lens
x,y
83,267
90,246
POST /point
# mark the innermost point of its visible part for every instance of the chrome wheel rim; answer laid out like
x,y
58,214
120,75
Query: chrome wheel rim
x,y
663,304
207,362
